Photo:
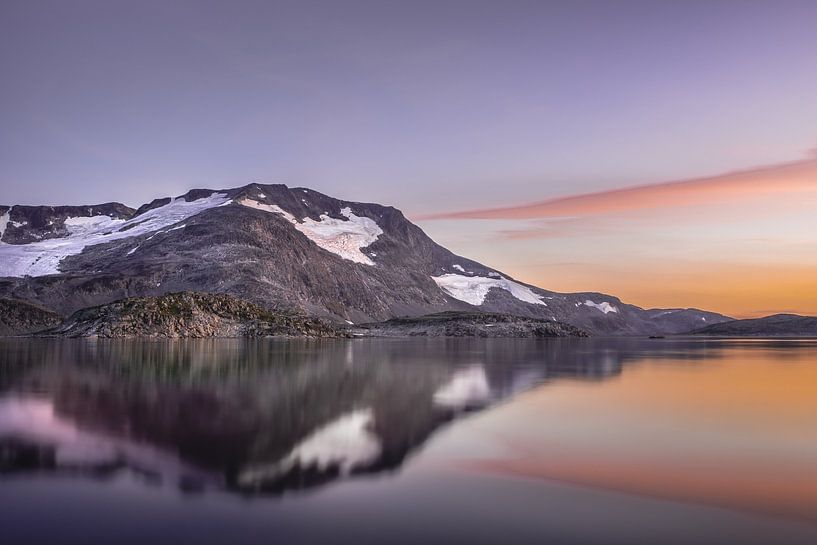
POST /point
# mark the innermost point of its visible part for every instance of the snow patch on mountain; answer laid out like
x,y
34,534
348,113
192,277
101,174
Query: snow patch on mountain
x,y
474,289
604,306
272,208
80,226
458,267
345,238
43,257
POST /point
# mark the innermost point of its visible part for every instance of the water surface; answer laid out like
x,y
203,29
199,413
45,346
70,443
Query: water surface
x,y
409,440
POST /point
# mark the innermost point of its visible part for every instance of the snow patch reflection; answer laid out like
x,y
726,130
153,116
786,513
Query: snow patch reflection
x,y
467,388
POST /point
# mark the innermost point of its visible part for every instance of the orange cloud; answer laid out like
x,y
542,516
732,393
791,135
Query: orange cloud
x,y
789,178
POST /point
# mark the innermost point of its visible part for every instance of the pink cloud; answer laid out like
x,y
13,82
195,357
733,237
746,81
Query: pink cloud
x,y
758,183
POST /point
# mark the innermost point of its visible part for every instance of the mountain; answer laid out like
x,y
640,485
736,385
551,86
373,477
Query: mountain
x,y
777,325
284,249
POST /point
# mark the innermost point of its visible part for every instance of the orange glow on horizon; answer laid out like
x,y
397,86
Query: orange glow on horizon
x,y
736,290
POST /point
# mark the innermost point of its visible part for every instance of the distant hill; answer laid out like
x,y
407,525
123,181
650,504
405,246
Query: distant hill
x,y
777,325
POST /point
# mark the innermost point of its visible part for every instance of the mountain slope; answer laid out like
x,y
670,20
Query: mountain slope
x,y
777,325
282,248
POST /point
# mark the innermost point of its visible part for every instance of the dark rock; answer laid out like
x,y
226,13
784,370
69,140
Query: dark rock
x,y
469,324
20,318
189,315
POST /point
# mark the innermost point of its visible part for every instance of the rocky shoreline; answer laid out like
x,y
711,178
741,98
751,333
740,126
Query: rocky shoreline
x,y
203,315
188,315
21,318
469,324
191,314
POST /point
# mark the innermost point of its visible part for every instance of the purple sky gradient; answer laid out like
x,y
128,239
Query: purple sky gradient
x,y
429,106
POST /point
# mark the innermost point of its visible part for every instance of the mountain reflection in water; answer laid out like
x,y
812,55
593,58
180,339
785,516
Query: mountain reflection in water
x,y
268,416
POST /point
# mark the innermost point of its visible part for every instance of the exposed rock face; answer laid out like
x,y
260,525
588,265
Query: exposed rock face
x,y
19,318
188,315
777,325
289,249
470,324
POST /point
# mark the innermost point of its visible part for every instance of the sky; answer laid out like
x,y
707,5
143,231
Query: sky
x,y
507,130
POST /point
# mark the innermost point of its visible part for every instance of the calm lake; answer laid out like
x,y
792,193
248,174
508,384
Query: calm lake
x,y
585,441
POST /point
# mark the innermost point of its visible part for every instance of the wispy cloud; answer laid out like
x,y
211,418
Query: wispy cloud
x,y
756,183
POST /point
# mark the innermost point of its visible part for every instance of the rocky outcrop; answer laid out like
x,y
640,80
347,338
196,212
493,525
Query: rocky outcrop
x,y
470,324
20,318
189,315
